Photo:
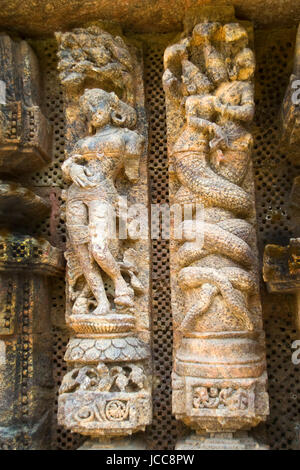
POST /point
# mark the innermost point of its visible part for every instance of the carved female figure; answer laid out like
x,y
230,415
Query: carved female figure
x,y
93,167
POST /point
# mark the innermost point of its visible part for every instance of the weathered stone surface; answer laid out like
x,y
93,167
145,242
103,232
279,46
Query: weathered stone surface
x,y
281,264
46,16
294,206
219,378
20,207
17,252
26,262
26,384
25,134
281,268
135,442
108,390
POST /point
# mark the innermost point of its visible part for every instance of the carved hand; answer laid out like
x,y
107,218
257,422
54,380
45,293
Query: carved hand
x,y
79,176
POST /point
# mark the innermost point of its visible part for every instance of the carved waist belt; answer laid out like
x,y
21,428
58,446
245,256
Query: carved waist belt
x,y
78,233
85,195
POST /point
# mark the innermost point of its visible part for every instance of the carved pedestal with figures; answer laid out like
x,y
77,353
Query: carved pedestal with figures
x,y
219,372
107,391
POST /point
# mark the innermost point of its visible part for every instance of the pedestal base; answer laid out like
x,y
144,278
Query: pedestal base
x,y
220,441
121,443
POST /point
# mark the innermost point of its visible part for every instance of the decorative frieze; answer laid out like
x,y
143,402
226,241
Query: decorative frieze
x,y
107,391
219,372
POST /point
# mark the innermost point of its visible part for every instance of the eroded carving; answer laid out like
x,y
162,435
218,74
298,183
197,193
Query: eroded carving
x,y
91,54
281,264
92,167
108,390
26,262
25,134
216,307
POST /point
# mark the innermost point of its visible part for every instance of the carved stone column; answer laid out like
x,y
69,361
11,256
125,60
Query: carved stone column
x,y
219,372
107,391
26,383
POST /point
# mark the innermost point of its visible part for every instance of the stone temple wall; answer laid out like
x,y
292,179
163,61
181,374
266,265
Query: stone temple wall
x,y
274,173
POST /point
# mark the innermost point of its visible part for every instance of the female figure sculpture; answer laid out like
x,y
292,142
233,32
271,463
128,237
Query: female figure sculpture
x,y
219,377
93,167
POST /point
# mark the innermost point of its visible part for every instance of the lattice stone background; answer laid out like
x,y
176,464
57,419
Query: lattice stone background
x,y
273,175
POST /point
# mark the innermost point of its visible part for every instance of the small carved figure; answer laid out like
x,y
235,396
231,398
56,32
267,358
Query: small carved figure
x,y
103,378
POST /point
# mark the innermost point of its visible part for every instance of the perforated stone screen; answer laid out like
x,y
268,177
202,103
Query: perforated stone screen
x,y
273,176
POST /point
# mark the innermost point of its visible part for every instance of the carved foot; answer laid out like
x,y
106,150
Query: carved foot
x,y
102,309
82,306
124,301
123,294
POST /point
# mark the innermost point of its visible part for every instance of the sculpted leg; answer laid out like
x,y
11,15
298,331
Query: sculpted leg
x,y
94,280
99,233
77,220
106,393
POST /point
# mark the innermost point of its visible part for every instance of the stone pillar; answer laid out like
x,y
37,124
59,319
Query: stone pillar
x,y
107,391
219,372
26,383
281,269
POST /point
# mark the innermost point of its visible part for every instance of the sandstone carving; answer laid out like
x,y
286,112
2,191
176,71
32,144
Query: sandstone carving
x,y
107,392
290,118
25,134
219,378
26,263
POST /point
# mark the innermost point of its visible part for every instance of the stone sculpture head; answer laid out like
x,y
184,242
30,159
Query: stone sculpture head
x,y
204,32
101,108
234,35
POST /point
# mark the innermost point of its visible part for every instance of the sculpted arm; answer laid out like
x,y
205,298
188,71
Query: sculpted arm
x,y
242,112
73,170
200,123
134,148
